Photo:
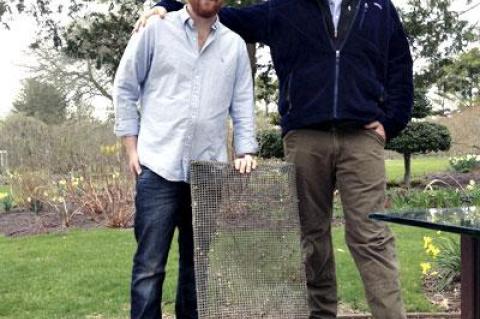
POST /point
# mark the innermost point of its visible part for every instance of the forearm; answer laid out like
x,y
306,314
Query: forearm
x,y
130,144
244,136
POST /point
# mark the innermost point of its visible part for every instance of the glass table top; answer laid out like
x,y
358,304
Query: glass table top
x,y
463,220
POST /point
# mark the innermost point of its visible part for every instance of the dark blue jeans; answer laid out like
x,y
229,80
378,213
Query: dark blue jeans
x,y
161,206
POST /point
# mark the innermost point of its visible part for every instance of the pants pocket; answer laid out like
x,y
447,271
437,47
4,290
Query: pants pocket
x,y
379,138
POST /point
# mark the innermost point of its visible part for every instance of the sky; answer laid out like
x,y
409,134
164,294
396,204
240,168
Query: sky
x,y
14,54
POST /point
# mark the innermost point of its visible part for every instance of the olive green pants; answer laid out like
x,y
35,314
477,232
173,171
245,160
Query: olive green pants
x,y
352,161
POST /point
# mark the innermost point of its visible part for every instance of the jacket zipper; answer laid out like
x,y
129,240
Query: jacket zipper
x,y
337,74
338,49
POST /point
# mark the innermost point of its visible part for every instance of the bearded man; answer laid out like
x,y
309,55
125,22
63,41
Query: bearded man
x,y
187,72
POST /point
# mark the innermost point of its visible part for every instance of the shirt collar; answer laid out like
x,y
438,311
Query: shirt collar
x,y
186,18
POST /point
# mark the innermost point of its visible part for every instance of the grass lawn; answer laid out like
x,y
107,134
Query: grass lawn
x,y
410,254
86,274
420,166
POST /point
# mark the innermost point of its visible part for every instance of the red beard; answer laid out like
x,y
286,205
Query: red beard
x,y
206,8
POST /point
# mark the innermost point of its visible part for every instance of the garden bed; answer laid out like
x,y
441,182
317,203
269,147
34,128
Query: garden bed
x,y
25,223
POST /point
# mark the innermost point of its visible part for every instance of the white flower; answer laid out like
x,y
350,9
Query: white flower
x,y
471,185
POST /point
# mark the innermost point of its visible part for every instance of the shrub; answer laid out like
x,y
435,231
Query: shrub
x,y
6,201
439,197
29,189
419,138
275,118
57,149
465,164
270,144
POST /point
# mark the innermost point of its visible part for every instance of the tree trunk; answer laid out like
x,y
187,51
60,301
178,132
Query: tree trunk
x,y
407,160
252,54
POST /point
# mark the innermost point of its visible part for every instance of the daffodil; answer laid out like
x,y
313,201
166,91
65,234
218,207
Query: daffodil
x,y
425,267
471,185
427,241
433,250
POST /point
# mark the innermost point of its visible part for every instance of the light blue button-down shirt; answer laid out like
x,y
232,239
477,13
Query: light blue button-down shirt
x,y
184,95
335,10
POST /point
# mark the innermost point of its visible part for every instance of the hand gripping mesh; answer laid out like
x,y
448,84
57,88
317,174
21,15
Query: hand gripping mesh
x,y
248,259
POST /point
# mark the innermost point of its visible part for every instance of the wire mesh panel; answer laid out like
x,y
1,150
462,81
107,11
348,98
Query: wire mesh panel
x,y
248,259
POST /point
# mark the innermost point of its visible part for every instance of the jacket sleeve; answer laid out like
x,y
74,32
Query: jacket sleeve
x,y
399,79
170,5
251,23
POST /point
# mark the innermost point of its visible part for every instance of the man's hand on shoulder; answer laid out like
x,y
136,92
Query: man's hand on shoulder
x,y
142,21
245,164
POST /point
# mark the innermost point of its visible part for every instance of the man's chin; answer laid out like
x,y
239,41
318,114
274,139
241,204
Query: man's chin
x,y
207,13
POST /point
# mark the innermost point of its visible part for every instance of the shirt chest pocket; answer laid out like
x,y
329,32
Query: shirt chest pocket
x,y
221,68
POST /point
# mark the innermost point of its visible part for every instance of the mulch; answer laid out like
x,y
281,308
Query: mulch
x,y
27,223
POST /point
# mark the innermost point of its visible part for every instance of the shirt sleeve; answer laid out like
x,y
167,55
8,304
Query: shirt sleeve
x,y
242,109
129,79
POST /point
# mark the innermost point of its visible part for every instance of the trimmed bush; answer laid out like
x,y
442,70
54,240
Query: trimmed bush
x,y
270,144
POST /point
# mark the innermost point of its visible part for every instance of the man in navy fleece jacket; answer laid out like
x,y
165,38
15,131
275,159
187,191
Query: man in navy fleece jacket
x,y
345,75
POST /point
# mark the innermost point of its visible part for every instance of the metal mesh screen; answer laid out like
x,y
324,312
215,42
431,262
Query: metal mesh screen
x,y
248,257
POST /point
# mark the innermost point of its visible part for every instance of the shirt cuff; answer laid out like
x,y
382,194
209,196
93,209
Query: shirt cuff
x,y
246,148
127,128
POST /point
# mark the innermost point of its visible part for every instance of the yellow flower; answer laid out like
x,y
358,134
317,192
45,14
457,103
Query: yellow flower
x,y
426,241
3,195
433,250
425,267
